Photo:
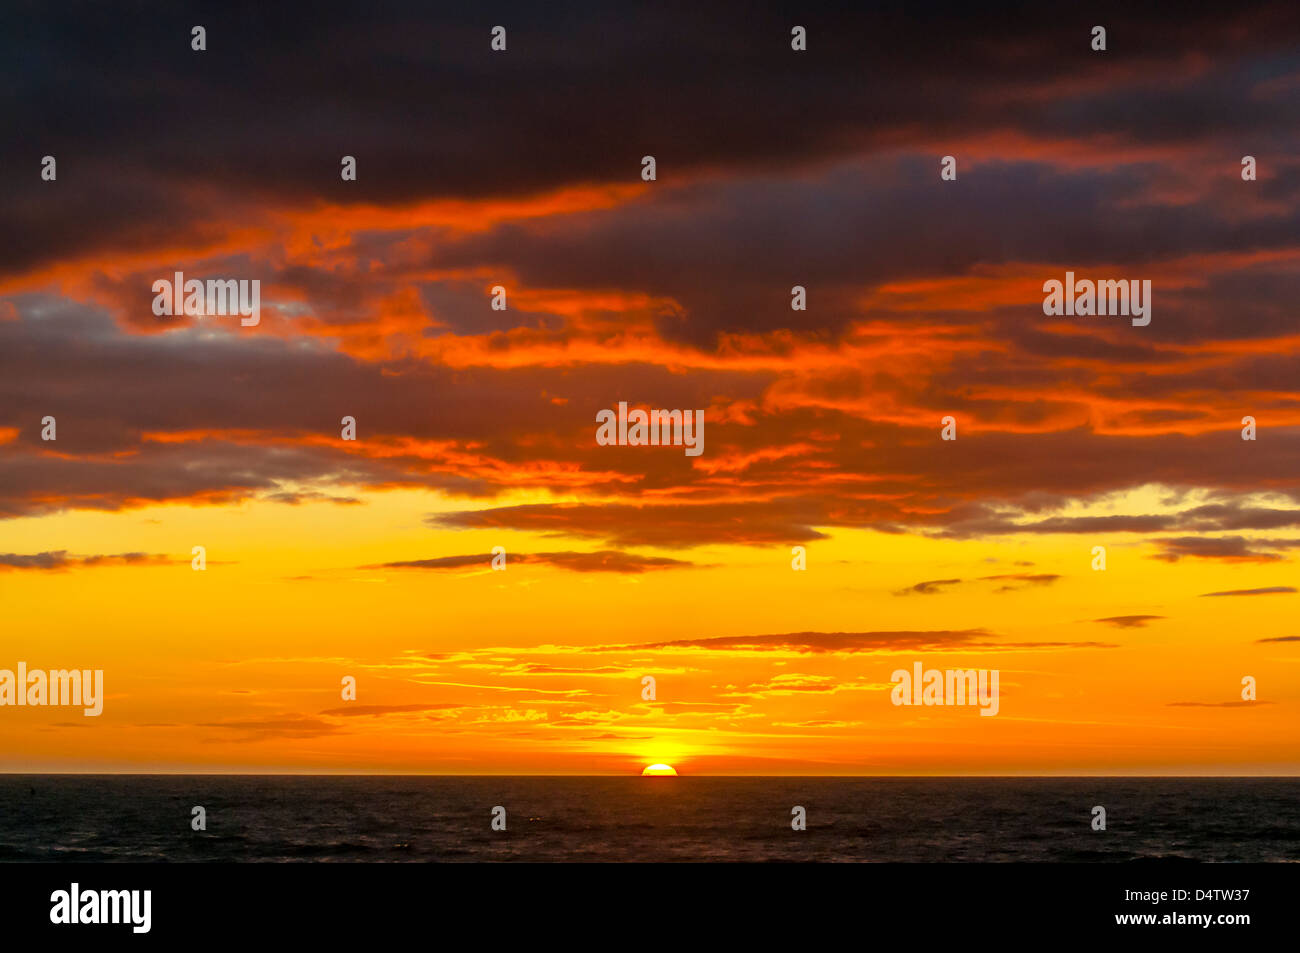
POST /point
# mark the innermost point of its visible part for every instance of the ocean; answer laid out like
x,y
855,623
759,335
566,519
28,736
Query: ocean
x,y
92,818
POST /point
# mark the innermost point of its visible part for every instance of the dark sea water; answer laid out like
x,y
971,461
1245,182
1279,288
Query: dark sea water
x,y
147,818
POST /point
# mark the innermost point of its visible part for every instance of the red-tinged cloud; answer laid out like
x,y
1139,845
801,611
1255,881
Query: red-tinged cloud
x,y
924,297
663,525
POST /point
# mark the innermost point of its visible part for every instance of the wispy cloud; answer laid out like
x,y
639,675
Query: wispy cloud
x,y
1129,621
599,561
1263,591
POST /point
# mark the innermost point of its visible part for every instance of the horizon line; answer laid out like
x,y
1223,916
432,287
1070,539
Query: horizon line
x,y
876,777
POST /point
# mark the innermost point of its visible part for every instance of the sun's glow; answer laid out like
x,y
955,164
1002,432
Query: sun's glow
x,y
659,771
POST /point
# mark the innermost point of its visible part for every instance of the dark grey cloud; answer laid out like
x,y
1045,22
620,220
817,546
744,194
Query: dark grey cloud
x,y
1223,547
983,519
730,249
59,560
584,90
1129,621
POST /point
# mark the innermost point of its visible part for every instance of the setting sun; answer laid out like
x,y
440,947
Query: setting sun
x,y
659,771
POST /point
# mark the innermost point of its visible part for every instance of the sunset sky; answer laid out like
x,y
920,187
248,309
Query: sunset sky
x,y
476,428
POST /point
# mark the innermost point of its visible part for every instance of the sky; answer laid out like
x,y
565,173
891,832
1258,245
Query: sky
x,y
371,559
